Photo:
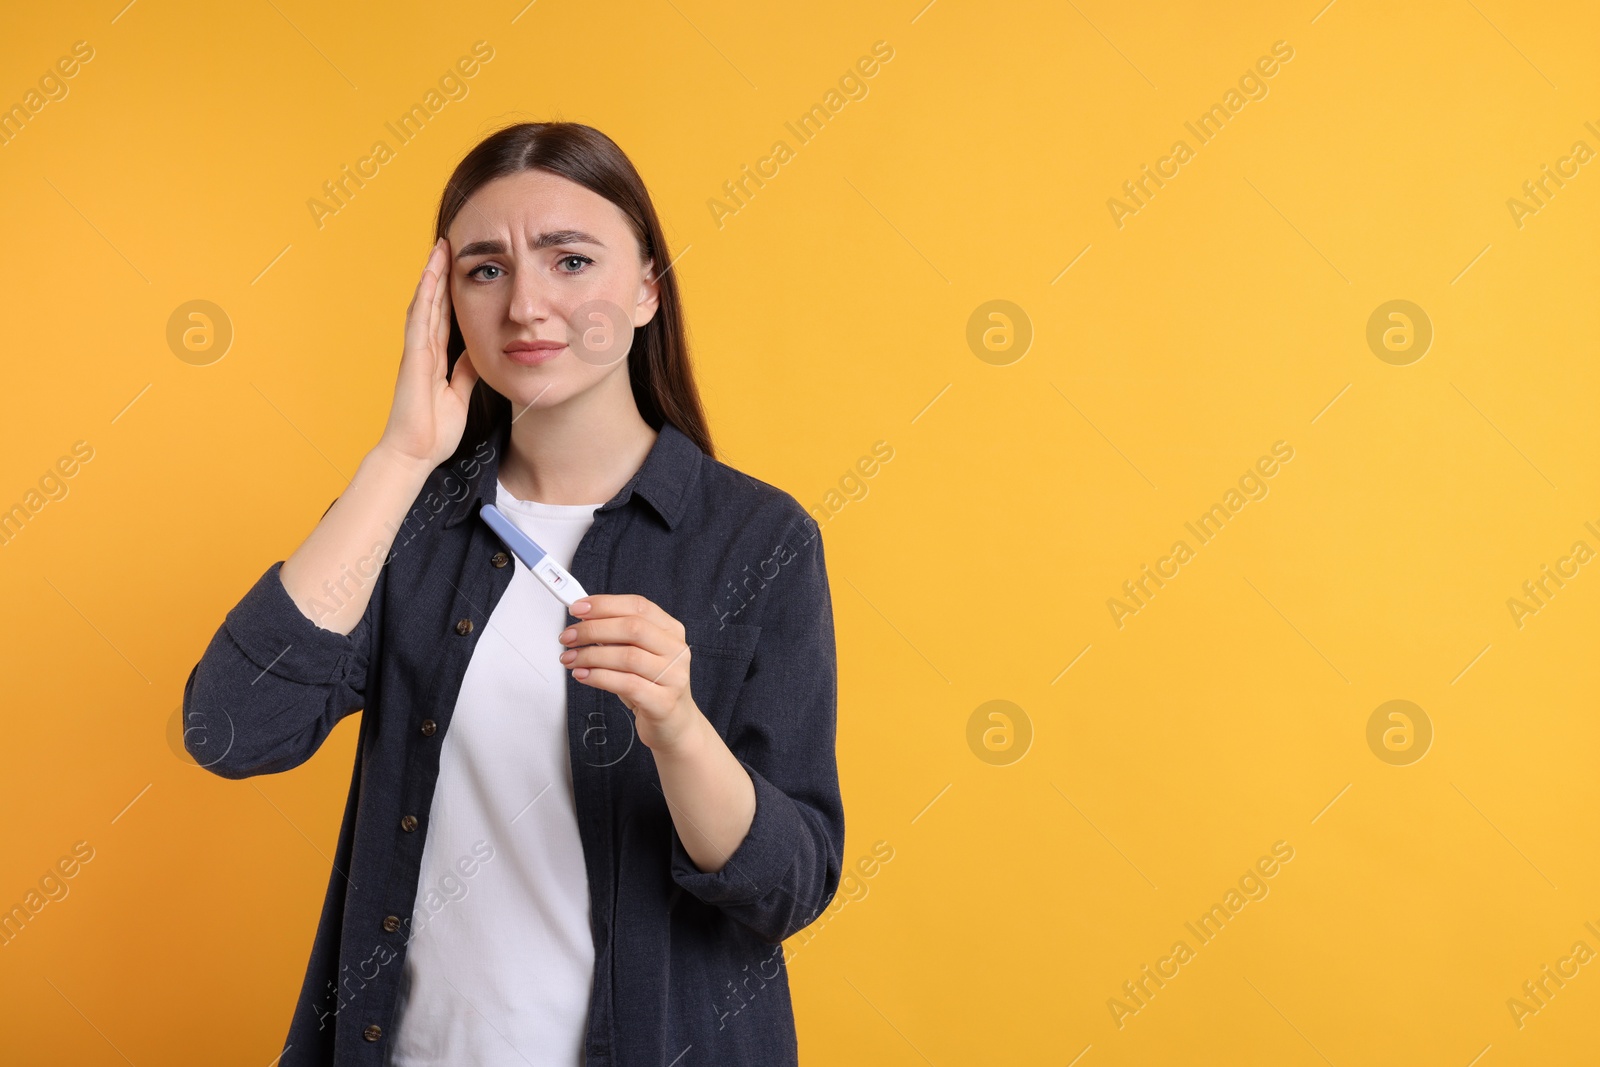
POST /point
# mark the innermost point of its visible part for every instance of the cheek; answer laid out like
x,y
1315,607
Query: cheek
x,y
601,332
479,318
471,308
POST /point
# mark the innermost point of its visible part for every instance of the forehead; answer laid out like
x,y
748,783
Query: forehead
x,y
534,201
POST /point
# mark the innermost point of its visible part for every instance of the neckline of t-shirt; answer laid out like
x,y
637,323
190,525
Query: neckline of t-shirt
x,y
539,509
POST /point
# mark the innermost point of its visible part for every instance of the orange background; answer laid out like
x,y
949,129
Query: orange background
x,y
1040,860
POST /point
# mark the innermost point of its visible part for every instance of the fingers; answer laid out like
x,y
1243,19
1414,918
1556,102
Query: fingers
x,y
440,322
627,631
415,347
416,294
441,331
635,621
609,605
425,295
628,687
627,660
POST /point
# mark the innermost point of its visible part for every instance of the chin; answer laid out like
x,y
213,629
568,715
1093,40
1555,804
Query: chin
x,y
518,375
542,395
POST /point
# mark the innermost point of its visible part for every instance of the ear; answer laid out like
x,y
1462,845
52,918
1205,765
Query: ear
x,y
649,296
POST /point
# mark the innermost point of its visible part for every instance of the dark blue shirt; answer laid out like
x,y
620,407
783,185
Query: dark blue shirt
x,y
689,965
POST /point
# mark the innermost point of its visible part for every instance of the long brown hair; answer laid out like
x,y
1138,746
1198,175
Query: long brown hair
x,y
658,363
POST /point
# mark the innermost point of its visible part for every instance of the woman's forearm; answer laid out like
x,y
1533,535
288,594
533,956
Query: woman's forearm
x,y
710,795
331,575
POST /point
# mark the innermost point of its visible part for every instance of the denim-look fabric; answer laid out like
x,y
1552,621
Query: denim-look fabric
x,y
689,966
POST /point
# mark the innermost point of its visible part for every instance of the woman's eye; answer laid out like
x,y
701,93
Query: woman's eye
x,y
571,258
473,273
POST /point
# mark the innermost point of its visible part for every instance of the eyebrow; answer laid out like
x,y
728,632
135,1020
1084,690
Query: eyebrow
x,y
496,247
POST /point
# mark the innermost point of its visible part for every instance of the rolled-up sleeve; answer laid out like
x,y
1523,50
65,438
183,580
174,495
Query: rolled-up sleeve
x,y
782,730
272,684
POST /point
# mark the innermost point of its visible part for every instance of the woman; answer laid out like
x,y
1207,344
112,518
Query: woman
x,y
591,865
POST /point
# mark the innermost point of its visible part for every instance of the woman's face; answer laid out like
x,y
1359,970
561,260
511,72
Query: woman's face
x,y
538,258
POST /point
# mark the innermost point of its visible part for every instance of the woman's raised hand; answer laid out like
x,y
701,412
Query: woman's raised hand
x,y
429,411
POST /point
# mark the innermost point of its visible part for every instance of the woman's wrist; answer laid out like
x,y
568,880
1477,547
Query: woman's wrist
x,y
392,461
689,742
357,529
709,793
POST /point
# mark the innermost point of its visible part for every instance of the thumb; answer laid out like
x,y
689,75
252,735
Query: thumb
x,y
464,377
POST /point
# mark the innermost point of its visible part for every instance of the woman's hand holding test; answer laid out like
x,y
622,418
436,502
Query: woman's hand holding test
x,y
628,645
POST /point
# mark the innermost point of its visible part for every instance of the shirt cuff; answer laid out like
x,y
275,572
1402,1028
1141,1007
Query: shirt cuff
x,y
277,636
760,861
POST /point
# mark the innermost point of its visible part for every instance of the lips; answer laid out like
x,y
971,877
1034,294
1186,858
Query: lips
x,y
531,353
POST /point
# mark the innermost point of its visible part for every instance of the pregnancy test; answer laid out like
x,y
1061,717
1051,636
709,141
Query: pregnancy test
x,y
552,575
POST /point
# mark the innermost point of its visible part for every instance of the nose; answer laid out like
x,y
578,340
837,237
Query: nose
x,y
530,296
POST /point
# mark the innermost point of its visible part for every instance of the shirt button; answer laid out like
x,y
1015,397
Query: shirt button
x,y
409,823
428,727
391,923
499,559
373,1032
464,627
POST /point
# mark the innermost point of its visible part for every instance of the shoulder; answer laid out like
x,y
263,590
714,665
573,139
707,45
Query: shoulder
x,y
756,548
750,531
749,508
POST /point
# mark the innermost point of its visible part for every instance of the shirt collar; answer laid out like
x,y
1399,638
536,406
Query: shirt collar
x,y
663,480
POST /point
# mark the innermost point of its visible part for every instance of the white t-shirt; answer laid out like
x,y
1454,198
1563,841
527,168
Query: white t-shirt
x,y
501,958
